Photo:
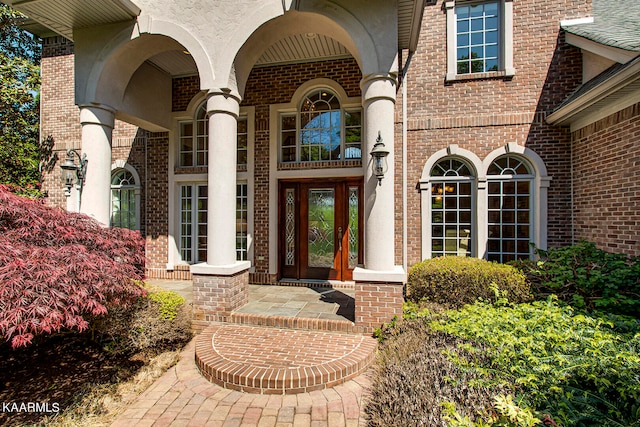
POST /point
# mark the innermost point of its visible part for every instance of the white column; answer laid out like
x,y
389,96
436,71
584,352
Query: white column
x,y
223,108
378,101
97,128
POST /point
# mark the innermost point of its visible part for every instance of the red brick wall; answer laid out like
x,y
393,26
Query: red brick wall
x,y
606,165
483,115
157,194
60,118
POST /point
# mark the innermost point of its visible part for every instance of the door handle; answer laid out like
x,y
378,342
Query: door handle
x,y
340,239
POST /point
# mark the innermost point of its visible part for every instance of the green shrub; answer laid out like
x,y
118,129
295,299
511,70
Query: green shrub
x,y
455,281
506,413
169,303
575,367
588,278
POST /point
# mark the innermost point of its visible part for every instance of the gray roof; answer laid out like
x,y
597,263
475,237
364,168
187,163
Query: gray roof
x,y
616,24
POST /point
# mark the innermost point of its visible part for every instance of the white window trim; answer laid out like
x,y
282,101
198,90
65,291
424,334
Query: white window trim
x,y
346,104
539,191
506,42
175,180
121,164
475,165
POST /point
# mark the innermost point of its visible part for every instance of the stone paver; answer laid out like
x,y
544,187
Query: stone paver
x,y
182,397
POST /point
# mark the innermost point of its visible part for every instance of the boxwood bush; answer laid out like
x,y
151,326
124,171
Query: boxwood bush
x,y
455,281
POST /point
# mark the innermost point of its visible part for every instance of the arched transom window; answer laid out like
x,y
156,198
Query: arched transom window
x,y
510,212
321,130
451,208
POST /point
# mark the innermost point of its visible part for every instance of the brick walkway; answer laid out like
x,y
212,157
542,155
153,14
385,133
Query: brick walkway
x,y
182,397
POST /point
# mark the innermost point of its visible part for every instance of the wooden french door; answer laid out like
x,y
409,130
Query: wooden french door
x,y
320,228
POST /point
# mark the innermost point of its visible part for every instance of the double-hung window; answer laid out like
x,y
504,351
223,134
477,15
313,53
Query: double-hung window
x,y
479,39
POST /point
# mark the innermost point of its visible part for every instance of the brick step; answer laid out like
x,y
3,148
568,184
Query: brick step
x,y
256,359
312,324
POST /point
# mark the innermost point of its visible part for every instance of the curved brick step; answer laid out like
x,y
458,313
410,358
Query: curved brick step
x,y
280,361
328,325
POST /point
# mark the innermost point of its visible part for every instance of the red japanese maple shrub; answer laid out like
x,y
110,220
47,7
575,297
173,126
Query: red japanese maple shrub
x,y
57,268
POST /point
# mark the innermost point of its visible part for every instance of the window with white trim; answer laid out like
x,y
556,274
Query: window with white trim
x,y
509,187
123,199
193,222
193,139
321,130
451,208
242,141
242,221
479,38
194,135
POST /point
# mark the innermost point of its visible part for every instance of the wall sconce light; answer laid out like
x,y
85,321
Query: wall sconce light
x,y
379,154
72,173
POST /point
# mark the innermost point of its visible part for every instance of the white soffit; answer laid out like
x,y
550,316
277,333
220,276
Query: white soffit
x,y
63,16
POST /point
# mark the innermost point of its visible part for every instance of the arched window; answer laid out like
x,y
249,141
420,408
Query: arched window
x,y
509,211
321,130
124,204
451,208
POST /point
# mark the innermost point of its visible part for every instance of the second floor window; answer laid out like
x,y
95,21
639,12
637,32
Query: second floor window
x,y
477,37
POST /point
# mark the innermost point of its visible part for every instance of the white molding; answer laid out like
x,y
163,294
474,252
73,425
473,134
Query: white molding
x,y
397,275
577,114
204,269
576,21
540,184
612,53
505,47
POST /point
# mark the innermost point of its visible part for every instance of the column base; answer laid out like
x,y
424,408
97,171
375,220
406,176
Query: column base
x,y
219,290
378,297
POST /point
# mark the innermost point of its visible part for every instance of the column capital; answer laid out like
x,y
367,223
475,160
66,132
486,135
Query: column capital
x,y
224,101
97,114
379,86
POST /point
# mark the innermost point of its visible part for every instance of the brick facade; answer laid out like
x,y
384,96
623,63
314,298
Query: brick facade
x,y
215,297
606,182
485,114
479,115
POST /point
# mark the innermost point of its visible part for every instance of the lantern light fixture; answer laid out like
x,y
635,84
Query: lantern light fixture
x,y
73,173
379,154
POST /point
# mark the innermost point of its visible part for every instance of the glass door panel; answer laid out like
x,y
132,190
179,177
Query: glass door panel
x,y
321,228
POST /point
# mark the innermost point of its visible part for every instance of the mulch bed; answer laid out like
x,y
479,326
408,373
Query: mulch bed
x,y
50,373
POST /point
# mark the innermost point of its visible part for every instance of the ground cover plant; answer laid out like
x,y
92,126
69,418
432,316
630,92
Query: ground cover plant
x,y
499,363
